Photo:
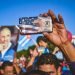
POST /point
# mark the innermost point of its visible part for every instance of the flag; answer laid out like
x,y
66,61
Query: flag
x,y
25,40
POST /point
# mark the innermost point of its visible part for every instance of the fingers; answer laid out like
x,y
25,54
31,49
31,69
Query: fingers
x,y
44,15
31,52
60,26
52,15
60,19
47,35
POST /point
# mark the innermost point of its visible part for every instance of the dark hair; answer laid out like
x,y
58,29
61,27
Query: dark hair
x,y
35,72
6,63
48,58
39,38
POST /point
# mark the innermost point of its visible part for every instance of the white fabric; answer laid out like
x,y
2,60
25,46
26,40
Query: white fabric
x,y
4,51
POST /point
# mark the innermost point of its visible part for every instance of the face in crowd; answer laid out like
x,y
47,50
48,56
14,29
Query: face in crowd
x,y
5,34
42,41
49,64
8,68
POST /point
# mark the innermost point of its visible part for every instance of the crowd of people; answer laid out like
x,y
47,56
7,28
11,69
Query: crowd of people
x,y
42,61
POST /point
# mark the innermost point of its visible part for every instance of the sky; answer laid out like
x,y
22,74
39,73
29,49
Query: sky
x,y
12,10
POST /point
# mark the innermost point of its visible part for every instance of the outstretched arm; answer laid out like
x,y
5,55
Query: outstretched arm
x,y
34,54
59,36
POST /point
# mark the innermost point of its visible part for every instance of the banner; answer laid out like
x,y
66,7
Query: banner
x,y
8,42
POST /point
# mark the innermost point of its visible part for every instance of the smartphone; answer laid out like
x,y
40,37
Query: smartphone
x,y
35,25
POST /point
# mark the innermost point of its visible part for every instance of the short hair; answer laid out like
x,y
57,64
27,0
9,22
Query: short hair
x,y
5,27
39,38
35,72
48,58
6,63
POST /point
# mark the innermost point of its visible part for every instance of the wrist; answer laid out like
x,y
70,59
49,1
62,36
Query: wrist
x,y
33,57
65,43
68,50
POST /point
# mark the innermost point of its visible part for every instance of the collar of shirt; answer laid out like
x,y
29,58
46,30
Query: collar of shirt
x,y
4,51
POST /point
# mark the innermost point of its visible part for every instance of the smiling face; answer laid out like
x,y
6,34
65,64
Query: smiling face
x,y
5,36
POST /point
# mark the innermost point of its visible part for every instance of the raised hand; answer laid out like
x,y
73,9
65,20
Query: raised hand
x,y
34,53
59,34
